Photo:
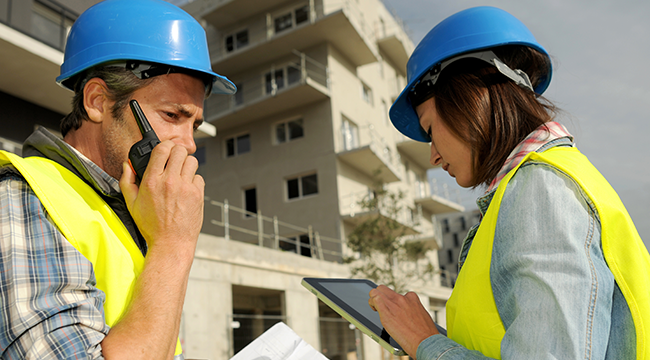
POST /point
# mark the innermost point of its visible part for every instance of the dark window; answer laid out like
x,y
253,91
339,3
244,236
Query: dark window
x,y
239,95
237,40
463,225
238,145
309,185
445,225
302,14
293,74
281,133
302,241
279,80
302,186
450,256
283,22
293,190
295,129
200,154
250,201
456,242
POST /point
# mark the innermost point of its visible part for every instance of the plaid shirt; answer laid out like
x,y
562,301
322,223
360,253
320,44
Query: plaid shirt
x,y
49,305
540,137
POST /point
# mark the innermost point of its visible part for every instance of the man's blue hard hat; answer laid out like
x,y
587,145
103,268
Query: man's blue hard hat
x,y
138,31
467,31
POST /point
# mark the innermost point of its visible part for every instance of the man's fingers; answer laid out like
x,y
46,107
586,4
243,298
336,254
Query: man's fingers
x,y
128,185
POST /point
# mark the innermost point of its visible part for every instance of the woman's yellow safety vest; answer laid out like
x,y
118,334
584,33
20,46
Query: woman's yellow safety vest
x,y
472,317
90,225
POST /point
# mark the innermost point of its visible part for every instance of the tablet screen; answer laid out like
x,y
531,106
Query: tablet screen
x,y
351,296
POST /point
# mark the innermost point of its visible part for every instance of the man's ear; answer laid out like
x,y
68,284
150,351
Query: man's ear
x,y
96,101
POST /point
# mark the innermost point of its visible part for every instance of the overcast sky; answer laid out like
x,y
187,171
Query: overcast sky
x,y
601,52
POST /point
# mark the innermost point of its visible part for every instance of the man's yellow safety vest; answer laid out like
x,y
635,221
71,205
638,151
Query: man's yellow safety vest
x,y
90,225
472,317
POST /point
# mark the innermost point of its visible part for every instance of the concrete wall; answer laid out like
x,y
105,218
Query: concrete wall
x,y
220,264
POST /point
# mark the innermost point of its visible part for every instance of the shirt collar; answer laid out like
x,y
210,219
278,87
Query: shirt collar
x,y
537,141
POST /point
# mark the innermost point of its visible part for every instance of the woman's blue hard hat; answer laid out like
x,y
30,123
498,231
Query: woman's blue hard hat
x,y
145,31
467,31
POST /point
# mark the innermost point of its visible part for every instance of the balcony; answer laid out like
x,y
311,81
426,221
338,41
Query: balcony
x,y
268,35
369,153
354,214
417,152
35,37
284,86
431,240
433,202
395,45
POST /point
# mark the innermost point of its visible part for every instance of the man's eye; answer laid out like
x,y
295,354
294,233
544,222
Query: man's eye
x,y
171,115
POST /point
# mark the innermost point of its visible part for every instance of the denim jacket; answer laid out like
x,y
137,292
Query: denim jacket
x,y
554,292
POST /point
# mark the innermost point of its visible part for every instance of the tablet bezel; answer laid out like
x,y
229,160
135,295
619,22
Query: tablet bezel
x,y
349,313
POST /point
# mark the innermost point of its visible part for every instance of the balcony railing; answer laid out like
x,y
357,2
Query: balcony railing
x,y
279,78
50,21
272,233
351,208
365,149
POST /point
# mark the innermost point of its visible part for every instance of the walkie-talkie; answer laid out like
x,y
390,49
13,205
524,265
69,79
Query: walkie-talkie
x,y
141,151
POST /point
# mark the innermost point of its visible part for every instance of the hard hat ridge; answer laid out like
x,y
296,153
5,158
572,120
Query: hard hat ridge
x,y
149,31
471,31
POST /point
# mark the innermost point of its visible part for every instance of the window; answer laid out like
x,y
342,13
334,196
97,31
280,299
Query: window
x,y
302,14
302,186
239,95
287,20
463,224
366,93
350,133
456,242
200,154
278,79
293,242
283,22
450,256
48,23
237,40
238,145
288,131
250,201
445,225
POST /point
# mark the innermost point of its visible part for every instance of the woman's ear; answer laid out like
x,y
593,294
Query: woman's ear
x,y
96,101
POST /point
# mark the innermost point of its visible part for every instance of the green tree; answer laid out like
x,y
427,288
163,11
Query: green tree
x,y
384,256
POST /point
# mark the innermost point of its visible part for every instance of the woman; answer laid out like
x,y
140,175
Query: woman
x,y
556,268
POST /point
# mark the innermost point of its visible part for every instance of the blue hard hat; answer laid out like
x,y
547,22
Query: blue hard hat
x,y
467,31
153,32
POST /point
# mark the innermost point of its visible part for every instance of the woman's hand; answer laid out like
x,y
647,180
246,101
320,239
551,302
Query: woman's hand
x,y
403,317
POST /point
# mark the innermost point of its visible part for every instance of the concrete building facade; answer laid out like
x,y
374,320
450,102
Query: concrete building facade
x,y
286,160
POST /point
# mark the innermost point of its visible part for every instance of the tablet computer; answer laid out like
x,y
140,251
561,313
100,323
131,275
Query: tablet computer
x,y
349,298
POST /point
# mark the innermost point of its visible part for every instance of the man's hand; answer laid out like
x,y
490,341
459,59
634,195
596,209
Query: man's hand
x,y
168,204
403,317
168,209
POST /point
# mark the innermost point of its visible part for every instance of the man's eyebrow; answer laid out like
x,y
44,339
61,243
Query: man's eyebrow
x,y
186,113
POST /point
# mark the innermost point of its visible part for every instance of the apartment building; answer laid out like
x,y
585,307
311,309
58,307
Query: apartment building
x,y
286,160
455,227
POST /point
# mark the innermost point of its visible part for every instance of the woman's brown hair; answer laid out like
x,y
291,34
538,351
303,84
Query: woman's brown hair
x,y
488,111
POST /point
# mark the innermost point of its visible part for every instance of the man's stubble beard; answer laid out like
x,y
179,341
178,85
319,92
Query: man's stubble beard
x,y
116,143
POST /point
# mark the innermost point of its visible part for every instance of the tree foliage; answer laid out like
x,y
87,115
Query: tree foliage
x,y
382,253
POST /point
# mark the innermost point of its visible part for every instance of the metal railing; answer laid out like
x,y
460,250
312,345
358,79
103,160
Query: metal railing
x,y
279,77
368,136
275,234
49,21
351,205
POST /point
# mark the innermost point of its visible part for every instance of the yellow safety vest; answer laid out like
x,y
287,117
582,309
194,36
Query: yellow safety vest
x,y
90,225
472,317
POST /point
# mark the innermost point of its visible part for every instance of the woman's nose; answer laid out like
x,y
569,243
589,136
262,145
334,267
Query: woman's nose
x,y
435,159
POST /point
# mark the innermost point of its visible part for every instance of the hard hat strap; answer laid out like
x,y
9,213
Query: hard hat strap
x,y
422,89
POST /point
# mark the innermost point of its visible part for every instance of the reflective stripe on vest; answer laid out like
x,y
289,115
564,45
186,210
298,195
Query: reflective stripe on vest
x,y
472,317
90,225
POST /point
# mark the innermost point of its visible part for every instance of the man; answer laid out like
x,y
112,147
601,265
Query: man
x,y
90,267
